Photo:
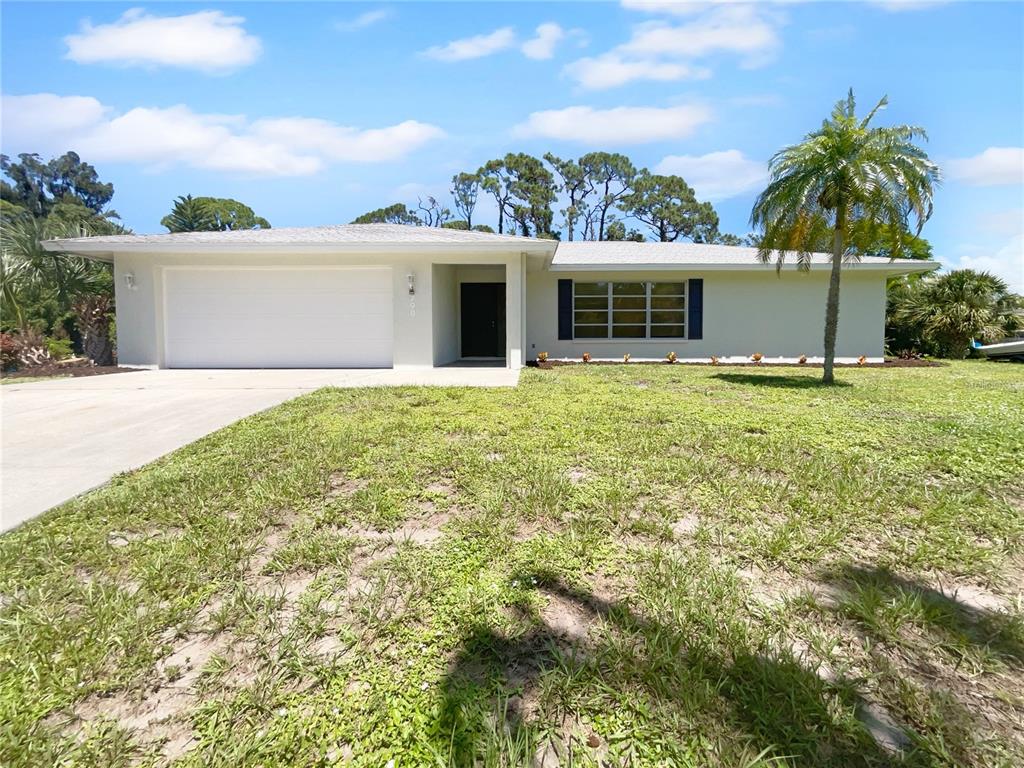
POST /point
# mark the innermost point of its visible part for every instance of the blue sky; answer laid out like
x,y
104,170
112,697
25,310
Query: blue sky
x,y
314,113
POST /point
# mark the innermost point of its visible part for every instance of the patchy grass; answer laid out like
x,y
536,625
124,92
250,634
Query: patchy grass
x,y
606,565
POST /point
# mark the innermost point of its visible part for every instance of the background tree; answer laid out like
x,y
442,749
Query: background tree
x,y
396,213
668,205
37,186
576,186
942,314
431,212
464,226
617,231
230,214
465,190
211,214
843,173
611,176
523,190
189,214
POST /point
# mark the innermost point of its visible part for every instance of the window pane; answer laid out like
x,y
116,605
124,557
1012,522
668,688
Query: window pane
x,y
668,289
629,318
668,332
591,332
668,317
629,331
591,289
629,302
629,289
591,317
668,302
591,302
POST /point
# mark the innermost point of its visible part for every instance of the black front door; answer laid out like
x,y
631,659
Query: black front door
x,y
483,319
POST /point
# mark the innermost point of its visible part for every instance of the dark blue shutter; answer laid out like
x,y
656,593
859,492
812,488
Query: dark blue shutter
x,y
695,302
565,309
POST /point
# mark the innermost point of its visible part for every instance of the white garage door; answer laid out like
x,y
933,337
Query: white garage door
x,y
278,318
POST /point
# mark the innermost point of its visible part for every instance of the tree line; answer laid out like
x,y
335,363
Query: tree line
x,y
599,195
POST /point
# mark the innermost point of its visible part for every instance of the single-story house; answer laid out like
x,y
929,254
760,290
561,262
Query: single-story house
x,y
381,295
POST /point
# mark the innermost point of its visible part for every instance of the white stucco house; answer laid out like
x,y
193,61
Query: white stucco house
x,y
380,295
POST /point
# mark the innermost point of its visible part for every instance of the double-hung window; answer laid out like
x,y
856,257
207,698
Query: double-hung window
x,y
634,310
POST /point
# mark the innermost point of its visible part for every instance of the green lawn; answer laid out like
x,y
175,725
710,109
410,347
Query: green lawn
x,y
624,565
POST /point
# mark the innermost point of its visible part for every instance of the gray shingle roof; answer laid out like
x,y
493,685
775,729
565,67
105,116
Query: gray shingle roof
x,y
625,253
342,234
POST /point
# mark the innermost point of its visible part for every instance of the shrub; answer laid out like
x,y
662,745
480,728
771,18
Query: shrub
x,y
714,359
625,357
586,357
802,360
59,349
8,352
671,357
542,357
757,357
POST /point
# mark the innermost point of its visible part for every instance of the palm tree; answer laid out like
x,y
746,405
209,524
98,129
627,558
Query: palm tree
x,y
950,310
845,174
29,271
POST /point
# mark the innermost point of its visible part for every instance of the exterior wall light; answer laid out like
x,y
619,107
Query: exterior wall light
x,y
129,280
412,283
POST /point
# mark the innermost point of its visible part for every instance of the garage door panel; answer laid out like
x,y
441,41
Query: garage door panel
x,y
278,318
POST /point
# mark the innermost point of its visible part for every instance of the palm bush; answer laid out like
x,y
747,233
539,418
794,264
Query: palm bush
x,y
942,314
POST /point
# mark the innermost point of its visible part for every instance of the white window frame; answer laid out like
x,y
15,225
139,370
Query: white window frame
x,y
648,294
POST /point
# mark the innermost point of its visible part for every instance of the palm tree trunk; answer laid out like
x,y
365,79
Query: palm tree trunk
x,y
832,303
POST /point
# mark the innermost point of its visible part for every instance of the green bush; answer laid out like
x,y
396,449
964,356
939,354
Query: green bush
x,y
59,349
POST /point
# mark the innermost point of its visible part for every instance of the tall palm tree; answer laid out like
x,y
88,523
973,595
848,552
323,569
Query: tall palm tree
x,y
843,175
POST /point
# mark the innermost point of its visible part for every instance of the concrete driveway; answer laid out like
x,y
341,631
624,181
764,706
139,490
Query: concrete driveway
x,y
66,436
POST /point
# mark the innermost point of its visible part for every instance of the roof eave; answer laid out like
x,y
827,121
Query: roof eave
x,y
893,268
107,251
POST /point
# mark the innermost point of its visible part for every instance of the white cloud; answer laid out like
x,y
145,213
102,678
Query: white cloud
x,y
895,6
1006,261
364,20
542,46
665,51
163,137
473,47
716,175
610,70
619,125
741,30
994,166
208,41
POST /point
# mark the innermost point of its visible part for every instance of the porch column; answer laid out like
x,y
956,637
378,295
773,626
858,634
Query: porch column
x,y
515,314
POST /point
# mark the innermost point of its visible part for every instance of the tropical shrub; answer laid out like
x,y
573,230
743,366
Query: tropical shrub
x,y
8,352
940,315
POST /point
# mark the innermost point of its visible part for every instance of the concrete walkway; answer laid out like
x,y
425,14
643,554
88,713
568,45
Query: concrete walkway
x,y
65,436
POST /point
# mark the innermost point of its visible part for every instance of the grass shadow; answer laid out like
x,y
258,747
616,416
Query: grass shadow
x,y
521,698
776,380
882,601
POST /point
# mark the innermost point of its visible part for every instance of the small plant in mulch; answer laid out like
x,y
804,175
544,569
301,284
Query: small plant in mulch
x,y
802,360
714,359
671,357
757,357
626,357
542,357
586,357
862,360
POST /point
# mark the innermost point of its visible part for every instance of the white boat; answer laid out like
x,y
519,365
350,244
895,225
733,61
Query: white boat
x,y
1004,350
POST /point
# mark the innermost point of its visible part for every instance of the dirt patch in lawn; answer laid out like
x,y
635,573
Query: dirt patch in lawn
x,y
340,484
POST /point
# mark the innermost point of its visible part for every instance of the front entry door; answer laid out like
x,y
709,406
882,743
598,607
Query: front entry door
x,y
483,319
